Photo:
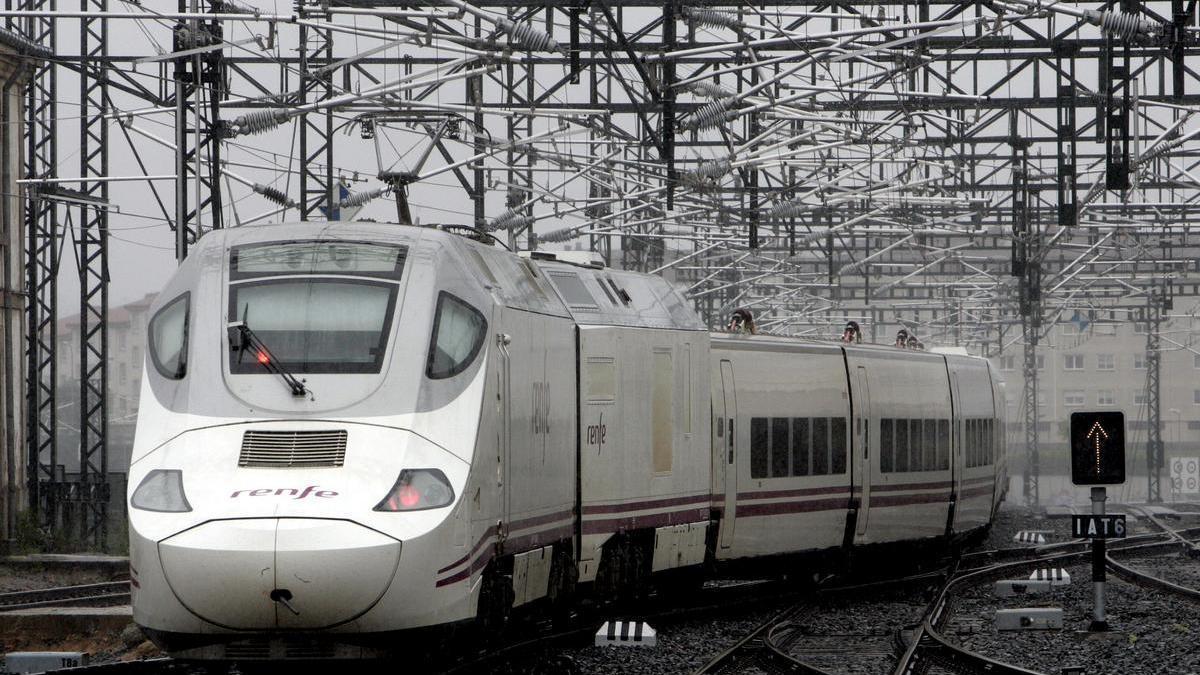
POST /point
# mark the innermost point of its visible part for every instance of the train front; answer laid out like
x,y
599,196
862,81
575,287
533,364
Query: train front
x,y
305,433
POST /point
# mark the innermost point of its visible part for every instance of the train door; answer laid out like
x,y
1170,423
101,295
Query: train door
x,y
957,460
861,466
504,428
728,414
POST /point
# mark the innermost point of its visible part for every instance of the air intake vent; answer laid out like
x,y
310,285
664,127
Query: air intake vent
x,y
248,649
301,449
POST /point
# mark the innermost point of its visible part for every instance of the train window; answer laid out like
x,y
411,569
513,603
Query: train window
x,y
988,441
820,446
601,373
607,293
837,431
316,257
316,324
968,443
887,451
973,442
573,292
780,452
800,446
914,446
943,431
901,446
458,332
169,338
759,437
931,448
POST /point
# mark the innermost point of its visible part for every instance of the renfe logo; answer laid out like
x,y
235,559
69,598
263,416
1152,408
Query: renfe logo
x,y
290,492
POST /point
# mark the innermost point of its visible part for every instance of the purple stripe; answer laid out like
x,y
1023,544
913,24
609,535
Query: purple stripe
x,y
777,508
907,500
937,485
628,507
799,492
514,525
609,525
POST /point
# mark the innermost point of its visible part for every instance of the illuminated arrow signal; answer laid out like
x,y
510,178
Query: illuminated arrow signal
x,y
1095,434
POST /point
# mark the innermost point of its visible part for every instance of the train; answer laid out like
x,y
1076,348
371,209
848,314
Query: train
x,y
357,435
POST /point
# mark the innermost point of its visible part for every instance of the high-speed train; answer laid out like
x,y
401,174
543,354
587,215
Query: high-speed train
x,y
354,433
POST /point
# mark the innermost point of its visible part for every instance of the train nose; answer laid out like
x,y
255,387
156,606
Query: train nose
x,y
270,573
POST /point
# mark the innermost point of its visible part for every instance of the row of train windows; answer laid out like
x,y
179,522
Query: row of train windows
x,y
797,446
816,446
979,437
924,445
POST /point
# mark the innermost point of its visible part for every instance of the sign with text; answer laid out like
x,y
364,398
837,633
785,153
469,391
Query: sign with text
x,y
1098,448
1092,526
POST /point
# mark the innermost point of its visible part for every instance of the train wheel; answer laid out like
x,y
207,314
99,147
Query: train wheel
x,y
496,599
564,574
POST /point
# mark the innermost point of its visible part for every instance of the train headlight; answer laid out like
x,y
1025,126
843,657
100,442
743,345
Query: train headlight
x,y
161,490
418,489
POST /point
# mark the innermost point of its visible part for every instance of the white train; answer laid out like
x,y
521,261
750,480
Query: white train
x,y
353,433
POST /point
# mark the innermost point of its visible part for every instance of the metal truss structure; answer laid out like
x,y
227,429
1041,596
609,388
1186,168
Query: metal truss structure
x,y
975,171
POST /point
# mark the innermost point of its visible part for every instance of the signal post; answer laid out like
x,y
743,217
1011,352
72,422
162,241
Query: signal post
x,y
1098,460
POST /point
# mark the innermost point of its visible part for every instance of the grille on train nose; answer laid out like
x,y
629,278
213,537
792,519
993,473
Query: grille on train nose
x,y
303,449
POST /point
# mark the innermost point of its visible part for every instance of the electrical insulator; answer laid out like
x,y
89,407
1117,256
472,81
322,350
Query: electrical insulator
x,y
528,37
274,195
258,122
712,18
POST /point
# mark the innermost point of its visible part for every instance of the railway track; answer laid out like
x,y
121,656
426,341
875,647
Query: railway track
x,y
107,594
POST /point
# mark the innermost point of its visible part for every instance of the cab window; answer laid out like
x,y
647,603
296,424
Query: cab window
x,y
458,333
168,338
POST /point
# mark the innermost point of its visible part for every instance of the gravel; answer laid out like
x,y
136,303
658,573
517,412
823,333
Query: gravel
x,y
1152,631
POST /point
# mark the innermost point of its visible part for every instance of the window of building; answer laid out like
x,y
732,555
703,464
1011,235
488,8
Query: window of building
x,y
1041,361
1139,397
1196,396
1008,362
1074,398
1105,329
1139,327
1196,360
1106,362
1070,329
1074,361
1139,361
1106,397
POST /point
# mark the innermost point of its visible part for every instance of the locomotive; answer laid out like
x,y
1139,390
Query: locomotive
x,y
352,433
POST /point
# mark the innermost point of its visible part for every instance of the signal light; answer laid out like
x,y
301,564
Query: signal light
x,y
417,490
263,358
1098,448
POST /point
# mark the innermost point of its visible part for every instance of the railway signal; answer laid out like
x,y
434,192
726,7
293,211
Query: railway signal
x,y
1098,459
1098,448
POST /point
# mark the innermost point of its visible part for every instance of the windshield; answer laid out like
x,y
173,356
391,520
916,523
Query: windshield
x,y
316,325
309,303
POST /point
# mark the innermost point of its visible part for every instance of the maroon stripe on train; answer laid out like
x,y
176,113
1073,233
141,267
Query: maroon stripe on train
x,y
514,525
527,542
936,485
777,508
645,505
798,492
985,491
607,525
908,500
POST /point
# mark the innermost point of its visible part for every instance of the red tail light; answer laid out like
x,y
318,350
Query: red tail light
x,y
417,490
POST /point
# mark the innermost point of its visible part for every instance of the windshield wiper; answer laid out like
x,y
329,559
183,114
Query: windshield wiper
x,y
242,338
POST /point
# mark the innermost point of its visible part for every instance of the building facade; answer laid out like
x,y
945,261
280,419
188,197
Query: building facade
x,y
1101,365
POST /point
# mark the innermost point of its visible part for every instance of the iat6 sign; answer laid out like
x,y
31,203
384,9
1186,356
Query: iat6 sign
x,y
1098,448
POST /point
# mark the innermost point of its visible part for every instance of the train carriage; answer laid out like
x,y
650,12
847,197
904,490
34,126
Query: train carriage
x,y
353,432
